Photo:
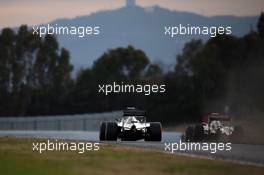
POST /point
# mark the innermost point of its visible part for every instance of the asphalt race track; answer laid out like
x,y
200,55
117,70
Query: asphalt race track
x,y
241,153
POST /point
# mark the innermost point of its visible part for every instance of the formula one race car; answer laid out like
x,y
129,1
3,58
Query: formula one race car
x,y
215,127
131,127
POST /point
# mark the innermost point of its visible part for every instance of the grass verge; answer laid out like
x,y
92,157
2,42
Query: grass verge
x,y
17,158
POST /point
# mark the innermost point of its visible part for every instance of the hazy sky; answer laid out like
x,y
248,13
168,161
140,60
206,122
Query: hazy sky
x,y
17,12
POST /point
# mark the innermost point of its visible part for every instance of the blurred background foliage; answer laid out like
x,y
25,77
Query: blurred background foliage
x,y
225,73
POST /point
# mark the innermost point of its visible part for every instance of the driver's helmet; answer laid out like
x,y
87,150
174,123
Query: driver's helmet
x,y
215,125
134,120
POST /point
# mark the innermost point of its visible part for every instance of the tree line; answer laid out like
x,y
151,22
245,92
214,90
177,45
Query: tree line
x,y
223,74
34,73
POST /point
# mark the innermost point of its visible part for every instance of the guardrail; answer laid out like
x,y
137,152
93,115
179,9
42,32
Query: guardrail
x,y
84,122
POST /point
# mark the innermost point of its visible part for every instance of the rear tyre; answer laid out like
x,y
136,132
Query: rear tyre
x,y
102,131
154,132
111,131
198,133
189,134
237,135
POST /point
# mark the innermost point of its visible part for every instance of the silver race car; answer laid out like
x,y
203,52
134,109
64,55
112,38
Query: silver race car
x,y
131,127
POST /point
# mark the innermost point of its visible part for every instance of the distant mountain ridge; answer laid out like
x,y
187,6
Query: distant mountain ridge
x,y
144,29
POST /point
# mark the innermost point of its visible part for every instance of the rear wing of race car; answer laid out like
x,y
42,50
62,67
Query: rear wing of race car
x,y
134,112
216,116
220,118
